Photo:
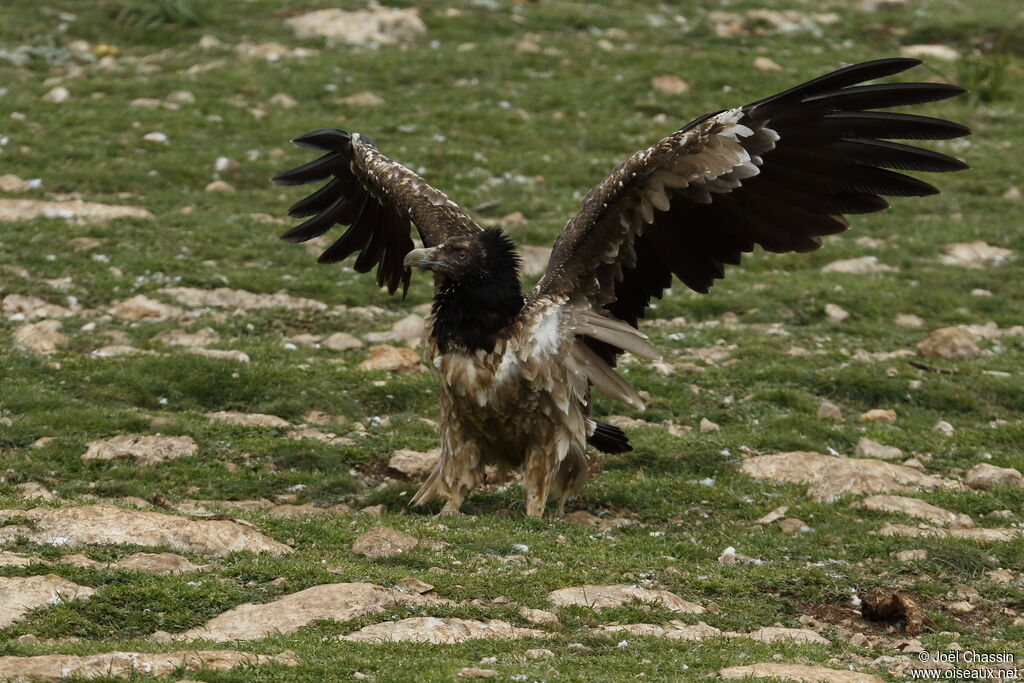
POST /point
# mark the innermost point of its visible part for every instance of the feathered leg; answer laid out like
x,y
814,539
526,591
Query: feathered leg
x,y
571,476
457,473
539,470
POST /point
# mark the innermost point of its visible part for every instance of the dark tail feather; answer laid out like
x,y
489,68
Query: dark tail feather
x,y
609,439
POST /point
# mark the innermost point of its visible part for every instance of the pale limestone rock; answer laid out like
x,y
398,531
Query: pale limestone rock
x,y
220,187
835,314
203,337
984,476
58,95
766,64
248,419
32,307
341,341
879,415
937,51
223,297
116,350
597,597
943,428
669,84
976,255
534,259
336,601
9,559
831,478
109,525
477,672
981,535
439,631
792,525
829,411
538,616
777,634
283,100
708,427
19,594
775,515
12,183
909,320
858,266
144,450
383,541
180,97
949,343
33,489
362,99
157,563
76,210
130,664
414,464
219,354
915,507
796,672
675,629
374,26
42,337
868,448
141,307
411,584
914,555
392,359
156,136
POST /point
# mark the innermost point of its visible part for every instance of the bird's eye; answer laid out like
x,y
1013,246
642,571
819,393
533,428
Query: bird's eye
x,y
461,254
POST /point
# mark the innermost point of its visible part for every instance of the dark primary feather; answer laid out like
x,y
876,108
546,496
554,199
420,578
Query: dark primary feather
x,y
377,198
834,156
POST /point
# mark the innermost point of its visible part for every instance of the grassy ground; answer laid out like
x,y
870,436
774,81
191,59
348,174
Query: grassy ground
x,y
500,130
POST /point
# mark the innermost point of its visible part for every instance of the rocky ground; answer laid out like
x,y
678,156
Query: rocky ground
x,y
207,442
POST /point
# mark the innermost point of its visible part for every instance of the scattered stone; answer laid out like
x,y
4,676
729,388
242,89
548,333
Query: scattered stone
x,y
597,597
670,84
858,266
777,634
476,672
12,183
792,525
271,51
222,297
439,631
58,95
157,563
539,616
9,559
120,350
867,448
943,428
248,419
909,320
879,415
19,594
984,476
374,26
409,330
829,411
915,507
414,464
383,541
220,187
362,99
835,314
976,255
130,664
675,629
341,341
1001,576
142,307
392,359
42,337
708,427
144,450
413,585
730,556
949,343
534,259
539,653
796,672
1012,194
284,100
335,601
933,51
220,354
146,103
914,555
981,535
187,339
76,210
109,525
831,478
775,515
375,510
765,64
155,136
33,489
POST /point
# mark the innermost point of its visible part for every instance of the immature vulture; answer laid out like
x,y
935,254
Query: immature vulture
x,y
516,369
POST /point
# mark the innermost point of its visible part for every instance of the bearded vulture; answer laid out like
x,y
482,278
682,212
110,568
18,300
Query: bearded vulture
x,y
516,369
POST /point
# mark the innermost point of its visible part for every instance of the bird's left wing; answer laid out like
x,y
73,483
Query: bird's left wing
x,y
377,198
779,172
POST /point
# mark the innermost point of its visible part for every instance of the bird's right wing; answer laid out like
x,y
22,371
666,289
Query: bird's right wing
x,y
377,198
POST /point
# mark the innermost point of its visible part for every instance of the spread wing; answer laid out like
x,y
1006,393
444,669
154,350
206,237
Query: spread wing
x,y
779,172
377,198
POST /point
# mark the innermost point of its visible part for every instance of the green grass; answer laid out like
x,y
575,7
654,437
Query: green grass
x,y
503,131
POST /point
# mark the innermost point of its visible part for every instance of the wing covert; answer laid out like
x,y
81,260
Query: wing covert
x,y
377,198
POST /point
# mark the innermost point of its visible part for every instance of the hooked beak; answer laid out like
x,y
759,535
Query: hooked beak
x,y
424,259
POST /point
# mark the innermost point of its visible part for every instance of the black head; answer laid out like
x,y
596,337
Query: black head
x,y
466,259
478,294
